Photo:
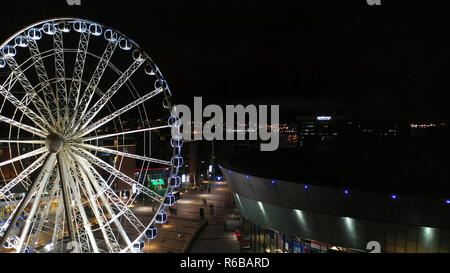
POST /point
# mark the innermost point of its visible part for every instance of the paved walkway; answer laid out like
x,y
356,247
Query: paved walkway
x,y
175,236
214,238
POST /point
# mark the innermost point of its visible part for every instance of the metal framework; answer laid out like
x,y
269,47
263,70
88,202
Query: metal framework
x,y
61,196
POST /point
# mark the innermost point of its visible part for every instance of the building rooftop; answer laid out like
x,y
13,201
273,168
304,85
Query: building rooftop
x,y
413,165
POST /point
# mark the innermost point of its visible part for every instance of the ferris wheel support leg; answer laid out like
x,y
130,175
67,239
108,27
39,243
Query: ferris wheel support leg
x,y
105,202
20,210
43,180
85,220
66,199
58,231
84,183
46,210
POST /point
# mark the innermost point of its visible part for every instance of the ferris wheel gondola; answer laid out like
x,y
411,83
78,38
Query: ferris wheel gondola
x,y
68,85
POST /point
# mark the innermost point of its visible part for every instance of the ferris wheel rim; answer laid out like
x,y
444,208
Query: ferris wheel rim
x,y
49,157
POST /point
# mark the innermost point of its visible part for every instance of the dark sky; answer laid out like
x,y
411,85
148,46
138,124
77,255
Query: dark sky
x,y
311,57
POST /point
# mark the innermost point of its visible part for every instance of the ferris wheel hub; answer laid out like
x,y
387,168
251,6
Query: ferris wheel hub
x,y
71,113
54,143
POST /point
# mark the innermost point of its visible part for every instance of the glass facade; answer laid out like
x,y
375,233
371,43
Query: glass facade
x,y
256,239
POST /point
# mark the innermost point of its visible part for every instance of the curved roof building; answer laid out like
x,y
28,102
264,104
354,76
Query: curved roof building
x,y
392,191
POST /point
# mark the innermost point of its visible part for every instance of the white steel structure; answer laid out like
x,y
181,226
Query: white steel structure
x,y
66,84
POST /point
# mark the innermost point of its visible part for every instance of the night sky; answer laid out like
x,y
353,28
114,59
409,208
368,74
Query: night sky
x,y
311,57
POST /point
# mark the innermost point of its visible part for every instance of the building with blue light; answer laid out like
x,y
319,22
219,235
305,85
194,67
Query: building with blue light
x,y
344,199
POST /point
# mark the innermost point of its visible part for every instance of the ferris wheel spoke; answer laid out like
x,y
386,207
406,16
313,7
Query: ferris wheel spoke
x,y
98,106
11,80
82,107
65,188
84,226
122,207
124,211
61,88
95,183
107,232
57,120
131,182
23,175
49,95
22,126
75,87
15,205
42,181
38,121
12,203
85,139
39,142
24,156
43,214
49,163
119,112
30,97
128,155
58,230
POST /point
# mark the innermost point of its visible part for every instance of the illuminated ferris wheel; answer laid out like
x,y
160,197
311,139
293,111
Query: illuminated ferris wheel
x,y
72,93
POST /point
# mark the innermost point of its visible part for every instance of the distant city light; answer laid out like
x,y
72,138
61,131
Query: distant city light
x,y
448,202
248,177
183,178
394,197
306,187
229,172
210,168
346,191
273,181
324,118
422,126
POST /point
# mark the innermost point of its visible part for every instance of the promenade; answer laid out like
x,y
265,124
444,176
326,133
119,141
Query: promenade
x,y
185,231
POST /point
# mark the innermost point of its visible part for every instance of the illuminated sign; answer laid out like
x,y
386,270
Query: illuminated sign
x,y
157,182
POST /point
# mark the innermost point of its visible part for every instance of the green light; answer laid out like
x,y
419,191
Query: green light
x,y
157,182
